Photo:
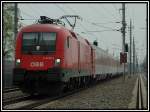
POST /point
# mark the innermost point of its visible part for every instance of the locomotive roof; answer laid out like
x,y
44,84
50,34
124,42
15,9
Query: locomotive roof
x,y
46,27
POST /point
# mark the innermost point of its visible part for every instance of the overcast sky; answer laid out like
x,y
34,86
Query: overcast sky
x,y
103,15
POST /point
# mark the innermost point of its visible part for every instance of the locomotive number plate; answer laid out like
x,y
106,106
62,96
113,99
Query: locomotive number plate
x,y
37,64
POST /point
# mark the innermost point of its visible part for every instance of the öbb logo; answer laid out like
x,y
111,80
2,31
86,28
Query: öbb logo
x,y
36,64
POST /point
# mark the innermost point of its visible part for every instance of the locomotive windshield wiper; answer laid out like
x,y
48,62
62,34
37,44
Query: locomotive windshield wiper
x,y
29,52
45,52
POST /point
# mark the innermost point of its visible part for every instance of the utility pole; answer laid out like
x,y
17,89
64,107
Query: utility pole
x,y
146,46
133,56
137,65
15,24
123,33
130,28
15,20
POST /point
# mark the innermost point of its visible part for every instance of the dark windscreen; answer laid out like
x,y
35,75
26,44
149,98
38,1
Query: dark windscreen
x,y
39,42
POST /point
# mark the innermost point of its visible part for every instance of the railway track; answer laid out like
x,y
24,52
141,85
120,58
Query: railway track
x,y
6,90
11,100
141,101
29,102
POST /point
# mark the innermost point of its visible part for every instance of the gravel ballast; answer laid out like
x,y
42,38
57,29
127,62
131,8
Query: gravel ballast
x,y
111,94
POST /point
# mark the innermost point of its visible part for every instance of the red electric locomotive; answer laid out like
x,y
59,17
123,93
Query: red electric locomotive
x,y
51,57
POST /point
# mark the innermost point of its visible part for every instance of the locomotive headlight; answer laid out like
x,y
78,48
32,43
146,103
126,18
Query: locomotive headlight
x,y
18,61
57,62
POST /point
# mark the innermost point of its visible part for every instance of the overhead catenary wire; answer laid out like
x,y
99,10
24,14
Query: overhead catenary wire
x,y
108,12
79,22
34,10
102,26
42,12
94,10
52,6
114,5
109,22
30,15
64,11
28,19
102,30
27,14
116,8
128,13
73,12
39,9
61,9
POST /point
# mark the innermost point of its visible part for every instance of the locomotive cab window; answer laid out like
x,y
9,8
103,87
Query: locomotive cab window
x,y
39,42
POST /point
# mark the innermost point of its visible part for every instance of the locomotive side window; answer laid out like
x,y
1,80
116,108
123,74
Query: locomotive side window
x,y
39,42
67,42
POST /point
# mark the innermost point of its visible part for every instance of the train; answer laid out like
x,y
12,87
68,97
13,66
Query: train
x,y
52,58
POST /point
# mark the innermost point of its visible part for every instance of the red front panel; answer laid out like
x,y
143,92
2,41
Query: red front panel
x,y
37,62
31,61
